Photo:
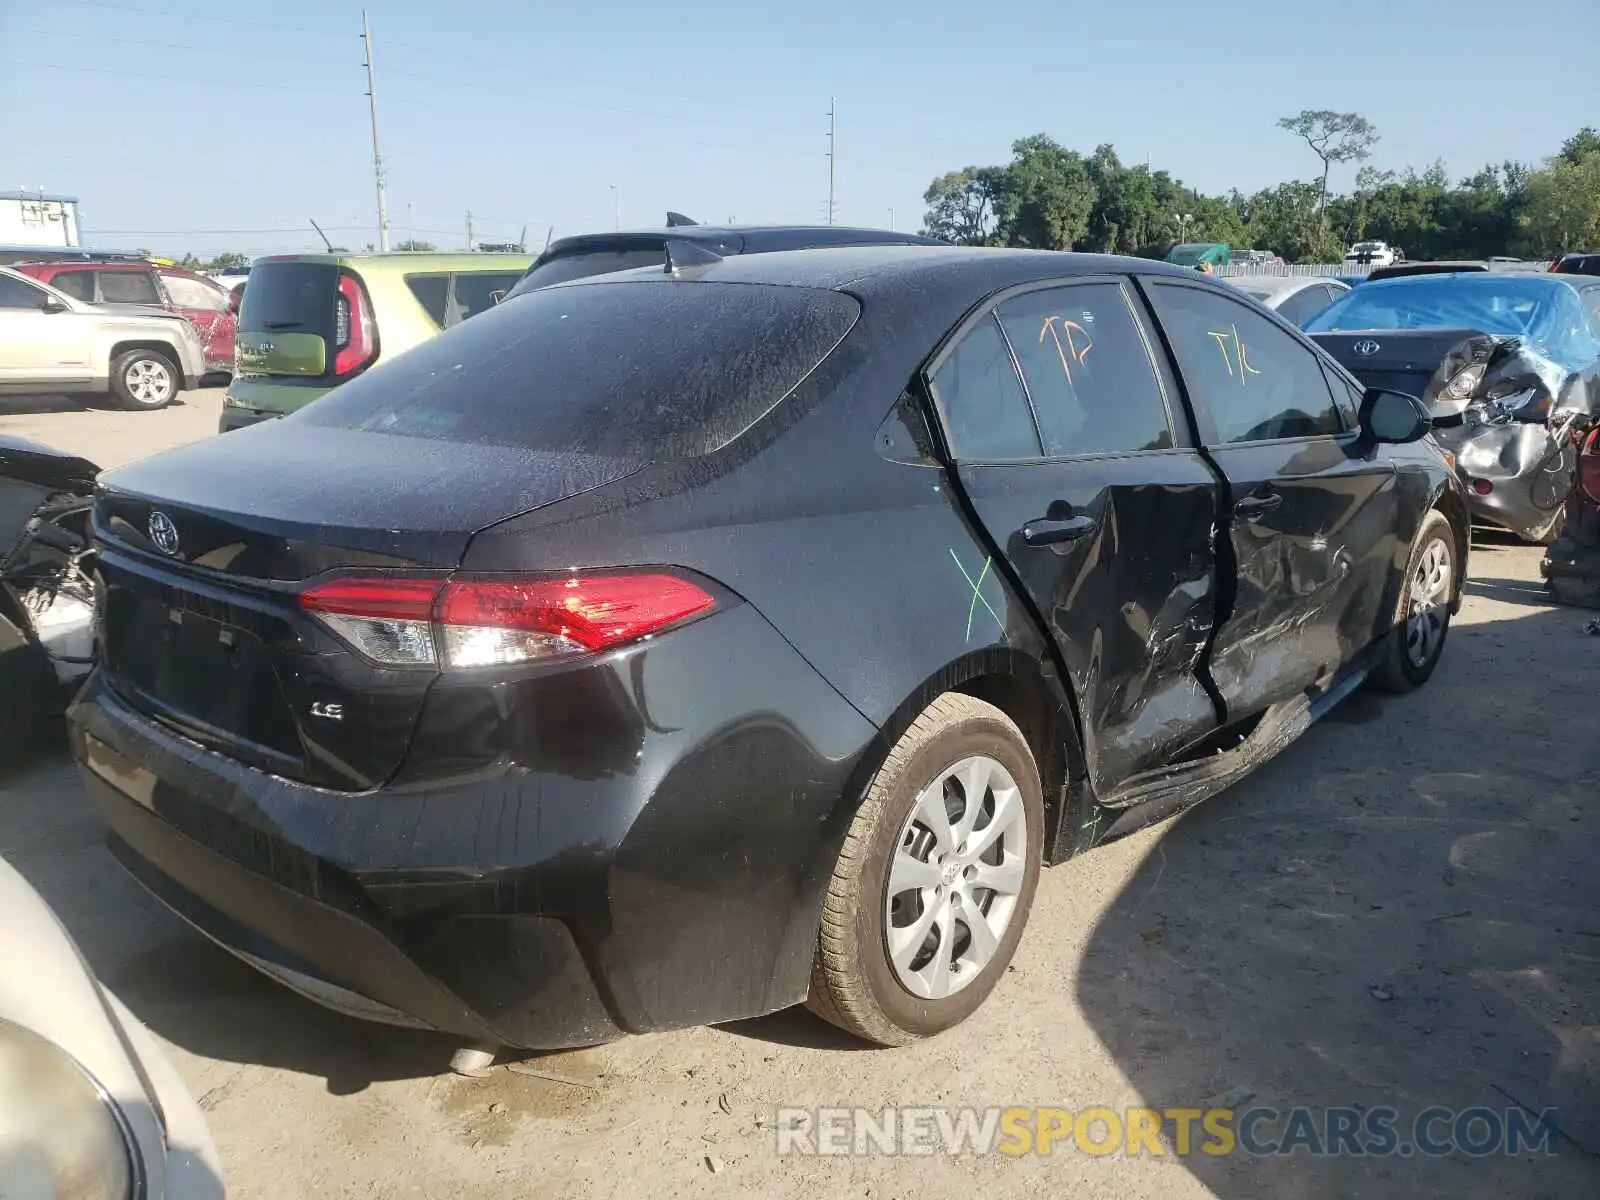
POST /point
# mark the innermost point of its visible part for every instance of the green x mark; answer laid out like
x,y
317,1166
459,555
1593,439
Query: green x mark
x,y
977,593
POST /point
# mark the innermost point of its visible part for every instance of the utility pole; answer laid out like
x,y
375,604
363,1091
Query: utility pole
x,y
830,159
377,158
891,220
616,208
469,230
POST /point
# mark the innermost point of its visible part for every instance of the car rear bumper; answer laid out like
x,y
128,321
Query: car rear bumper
x,y
234,417
531,905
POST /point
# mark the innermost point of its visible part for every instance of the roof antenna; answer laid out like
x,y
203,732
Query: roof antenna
x,y
674,219
320,234
682,253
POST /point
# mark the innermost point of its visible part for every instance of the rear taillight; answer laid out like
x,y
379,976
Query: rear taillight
x,y
354,342
461,621
1589,468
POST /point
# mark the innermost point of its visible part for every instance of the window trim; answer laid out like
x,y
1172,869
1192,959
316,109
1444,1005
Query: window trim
x,y
1203,422
1168,385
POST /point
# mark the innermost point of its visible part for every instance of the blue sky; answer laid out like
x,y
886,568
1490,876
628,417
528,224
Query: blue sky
x,y
171,119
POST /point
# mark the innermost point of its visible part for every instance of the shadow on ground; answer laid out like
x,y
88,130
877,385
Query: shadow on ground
x,y
1423,930
23,406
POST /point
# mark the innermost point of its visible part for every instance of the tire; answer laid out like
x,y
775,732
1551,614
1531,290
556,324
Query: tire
x,y
855,984
1421,621
144,379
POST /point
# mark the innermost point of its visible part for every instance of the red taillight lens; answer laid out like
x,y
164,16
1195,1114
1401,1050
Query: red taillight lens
x,y
467,622
1482,486
1589,468
353,340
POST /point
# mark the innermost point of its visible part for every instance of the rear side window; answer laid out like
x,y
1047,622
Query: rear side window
x,y
290,297
1088,370
77,284
585,263
128,287
647,370
981,398
433,293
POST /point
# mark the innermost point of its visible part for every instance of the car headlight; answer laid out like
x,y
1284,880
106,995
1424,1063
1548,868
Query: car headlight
x,y
61,1138
1464,382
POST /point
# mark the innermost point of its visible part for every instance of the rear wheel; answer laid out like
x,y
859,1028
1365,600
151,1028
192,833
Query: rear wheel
x,y
1422,619
935,879
143,379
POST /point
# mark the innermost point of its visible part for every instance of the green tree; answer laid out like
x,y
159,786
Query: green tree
x,y
230,258
1334,137
1563,207
1048,196
412,244
962,205
1580,146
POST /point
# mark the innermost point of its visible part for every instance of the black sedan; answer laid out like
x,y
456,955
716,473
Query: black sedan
x,y
678,645
1509,365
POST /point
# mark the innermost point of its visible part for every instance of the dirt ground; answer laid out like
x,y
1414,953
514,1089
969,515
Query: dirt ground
x,y
1400,910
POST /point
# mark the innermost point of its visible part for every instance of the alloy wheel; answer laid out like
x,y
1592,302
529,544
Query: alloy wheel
x,y
955,878
1429,606
149,381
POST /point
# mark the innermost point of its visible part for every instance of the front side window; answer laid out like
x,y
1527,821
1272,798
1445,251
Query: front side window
x,y
1252,380
984,407
1088,370
128,287
193,293
475,292
16,294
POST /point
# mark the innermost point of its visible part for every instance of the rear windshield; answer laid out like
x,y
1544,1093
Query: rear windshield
x,y
585,263
290,297
646,370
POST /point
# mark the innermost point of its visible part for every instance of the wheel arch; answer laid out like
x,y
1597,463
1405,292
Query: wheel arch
x,y
165,349
1043,709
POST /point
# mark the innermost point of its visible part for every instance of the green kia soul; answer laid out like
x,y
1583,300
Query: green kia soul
x,y
309,322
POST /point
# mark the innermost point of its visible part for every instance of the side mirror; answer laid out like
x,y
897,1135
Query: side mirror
x,y
235,299
1394,417
52,305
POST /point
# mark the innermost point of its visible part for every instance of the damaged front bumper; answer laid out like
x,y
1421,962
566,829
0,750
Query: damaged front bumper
x,y
1516,475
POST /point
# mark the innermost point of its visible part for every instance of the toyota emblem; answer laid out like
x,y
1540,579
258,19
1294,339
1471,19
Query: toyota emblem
x,y
163,532
1366,348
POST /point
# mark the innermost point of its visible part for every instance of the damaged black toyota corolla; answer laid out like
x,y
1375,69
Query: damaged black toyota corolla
x,y
675,646
1509,365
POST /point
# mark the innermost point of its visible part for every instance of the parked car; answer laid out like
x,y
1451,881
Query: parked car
x,y
50,342
203,302
1195,254
1294,298
310,322
1377,254
1571,565
89,1104
599,253
1509,364
672,645
1576,264
47,588
231,278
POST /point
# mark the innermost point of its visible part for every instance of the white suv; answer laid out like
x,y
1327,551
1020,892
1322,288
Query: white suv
x,y
50,343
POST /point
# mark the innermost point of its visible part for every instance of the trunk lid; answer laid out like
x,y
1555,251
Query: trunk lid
x,y
287,319
1402,360
203,550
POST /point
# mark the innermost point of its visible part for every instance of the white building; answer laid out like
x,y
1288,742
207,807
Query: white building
x,y
38,219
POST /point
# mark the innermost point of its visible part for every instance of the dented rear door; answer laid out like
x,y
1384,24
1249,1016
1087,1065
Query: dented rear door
x,y
1061,424
1311,509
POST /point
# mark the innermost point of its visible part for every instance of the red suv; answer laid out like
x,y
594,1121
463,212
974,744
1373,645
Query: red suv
x,y
206,303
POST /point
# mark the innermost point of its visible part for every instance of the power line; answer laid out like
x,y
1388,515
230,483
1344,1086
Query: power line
x,y
184,81
190,16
